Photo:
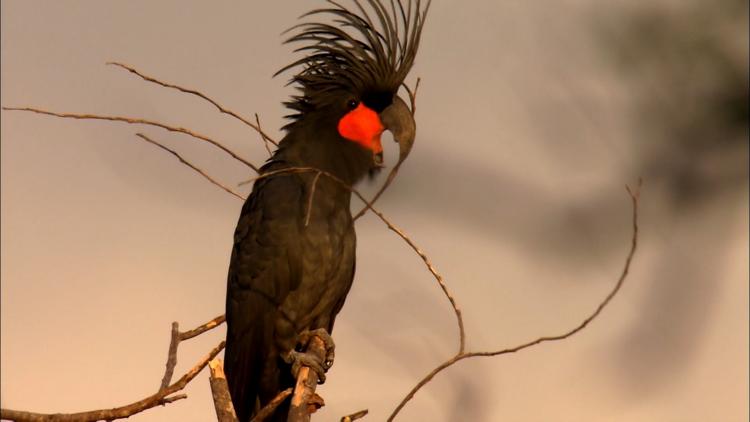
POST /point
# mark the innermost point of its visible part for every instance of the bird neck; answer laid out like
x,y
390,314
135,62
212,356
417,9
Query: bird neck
x,y
317,144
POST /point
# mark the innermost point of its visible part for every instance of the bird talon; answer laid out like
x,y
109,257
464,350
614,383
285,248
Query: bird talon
x,y
300,359
305,337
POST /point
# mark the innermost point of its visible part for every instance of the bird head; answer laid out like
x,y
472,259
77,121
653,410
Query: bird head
x,y
356,60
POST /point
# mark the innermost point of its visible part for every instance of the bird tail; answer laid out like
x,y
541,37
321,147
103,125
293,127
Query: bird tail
x,y
242,368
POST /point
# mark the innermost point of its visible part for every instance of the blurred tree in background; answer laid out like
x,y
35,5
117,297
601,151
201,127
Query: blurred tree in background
x,y
689,62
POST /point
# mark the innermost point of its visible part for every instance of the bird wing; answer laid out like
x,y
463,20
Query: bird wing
x,y
265,266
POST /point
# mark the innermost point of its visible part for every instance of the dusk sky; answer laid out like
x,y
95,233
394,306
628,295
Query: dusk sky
x,y
529,128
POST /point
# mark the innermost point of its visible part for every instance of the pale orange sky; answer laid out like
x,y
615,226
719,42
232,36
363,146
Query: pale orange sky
x,y
515,189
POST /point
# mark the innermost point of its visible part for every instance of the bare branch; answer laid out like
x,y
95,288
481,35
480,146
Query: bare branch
x,y
266,139
430,267
287,170
174,342
187,163
310,198
635,198
354,416
176,337
257,128
210,325
268,409
159,398
172,399
220,392
307,381
383,187
140,122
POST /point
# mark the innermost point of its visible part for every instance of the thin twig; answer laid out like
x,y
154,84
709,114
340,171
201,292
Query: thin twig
x,y
176,337
257,128
159,398
287,170
174,342
635,198
383,187
210,325
268,409
168,400
187,163
140,122
310,198
265,137
354,416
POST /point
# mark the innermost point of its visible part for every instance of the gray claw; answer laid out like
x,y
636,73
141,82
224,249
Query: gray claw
x,y
300,359
330,346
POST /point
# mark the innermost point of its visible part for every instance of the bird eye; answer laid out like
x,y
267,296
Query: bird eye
x,y
352,104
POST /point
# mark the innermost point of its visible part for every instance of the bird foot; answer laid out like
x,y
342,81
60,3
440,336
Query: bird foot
x,y
317,363
304,341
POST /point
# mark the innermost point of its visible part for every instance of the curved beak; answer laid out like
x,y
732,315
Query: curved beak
x,y
397,119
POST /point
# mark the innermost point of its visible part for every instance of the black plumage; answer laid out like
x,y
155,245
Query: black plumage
x,y
293,259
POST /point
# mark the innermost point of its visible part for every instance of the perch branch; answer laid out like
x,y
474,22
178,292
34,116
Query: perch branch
x,y
268,409
635,198
199,94
307,380
220,392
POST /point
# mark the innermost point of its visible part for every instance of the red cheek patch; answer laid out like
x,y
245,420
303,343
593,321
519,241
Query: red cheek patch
x,y
363,126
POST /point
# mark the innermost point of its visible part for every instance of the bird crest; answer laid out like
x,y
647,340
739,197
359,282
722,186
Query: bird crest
x,y
366,49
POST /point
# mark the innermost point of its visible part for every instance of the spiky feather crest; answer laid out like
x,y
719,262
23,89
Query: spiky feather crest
x,y
349,51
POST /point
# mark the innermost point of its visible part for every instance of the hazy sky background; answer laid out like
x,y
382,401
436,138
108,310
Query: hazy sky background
x,y
528,130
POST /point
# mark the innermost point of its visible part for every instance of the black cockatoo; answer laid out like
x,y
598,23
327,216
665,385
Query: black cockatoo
x,y
293,258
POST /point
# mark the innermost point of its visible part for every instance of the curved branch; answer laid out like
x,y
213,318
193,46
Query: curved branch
x,y
635,197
